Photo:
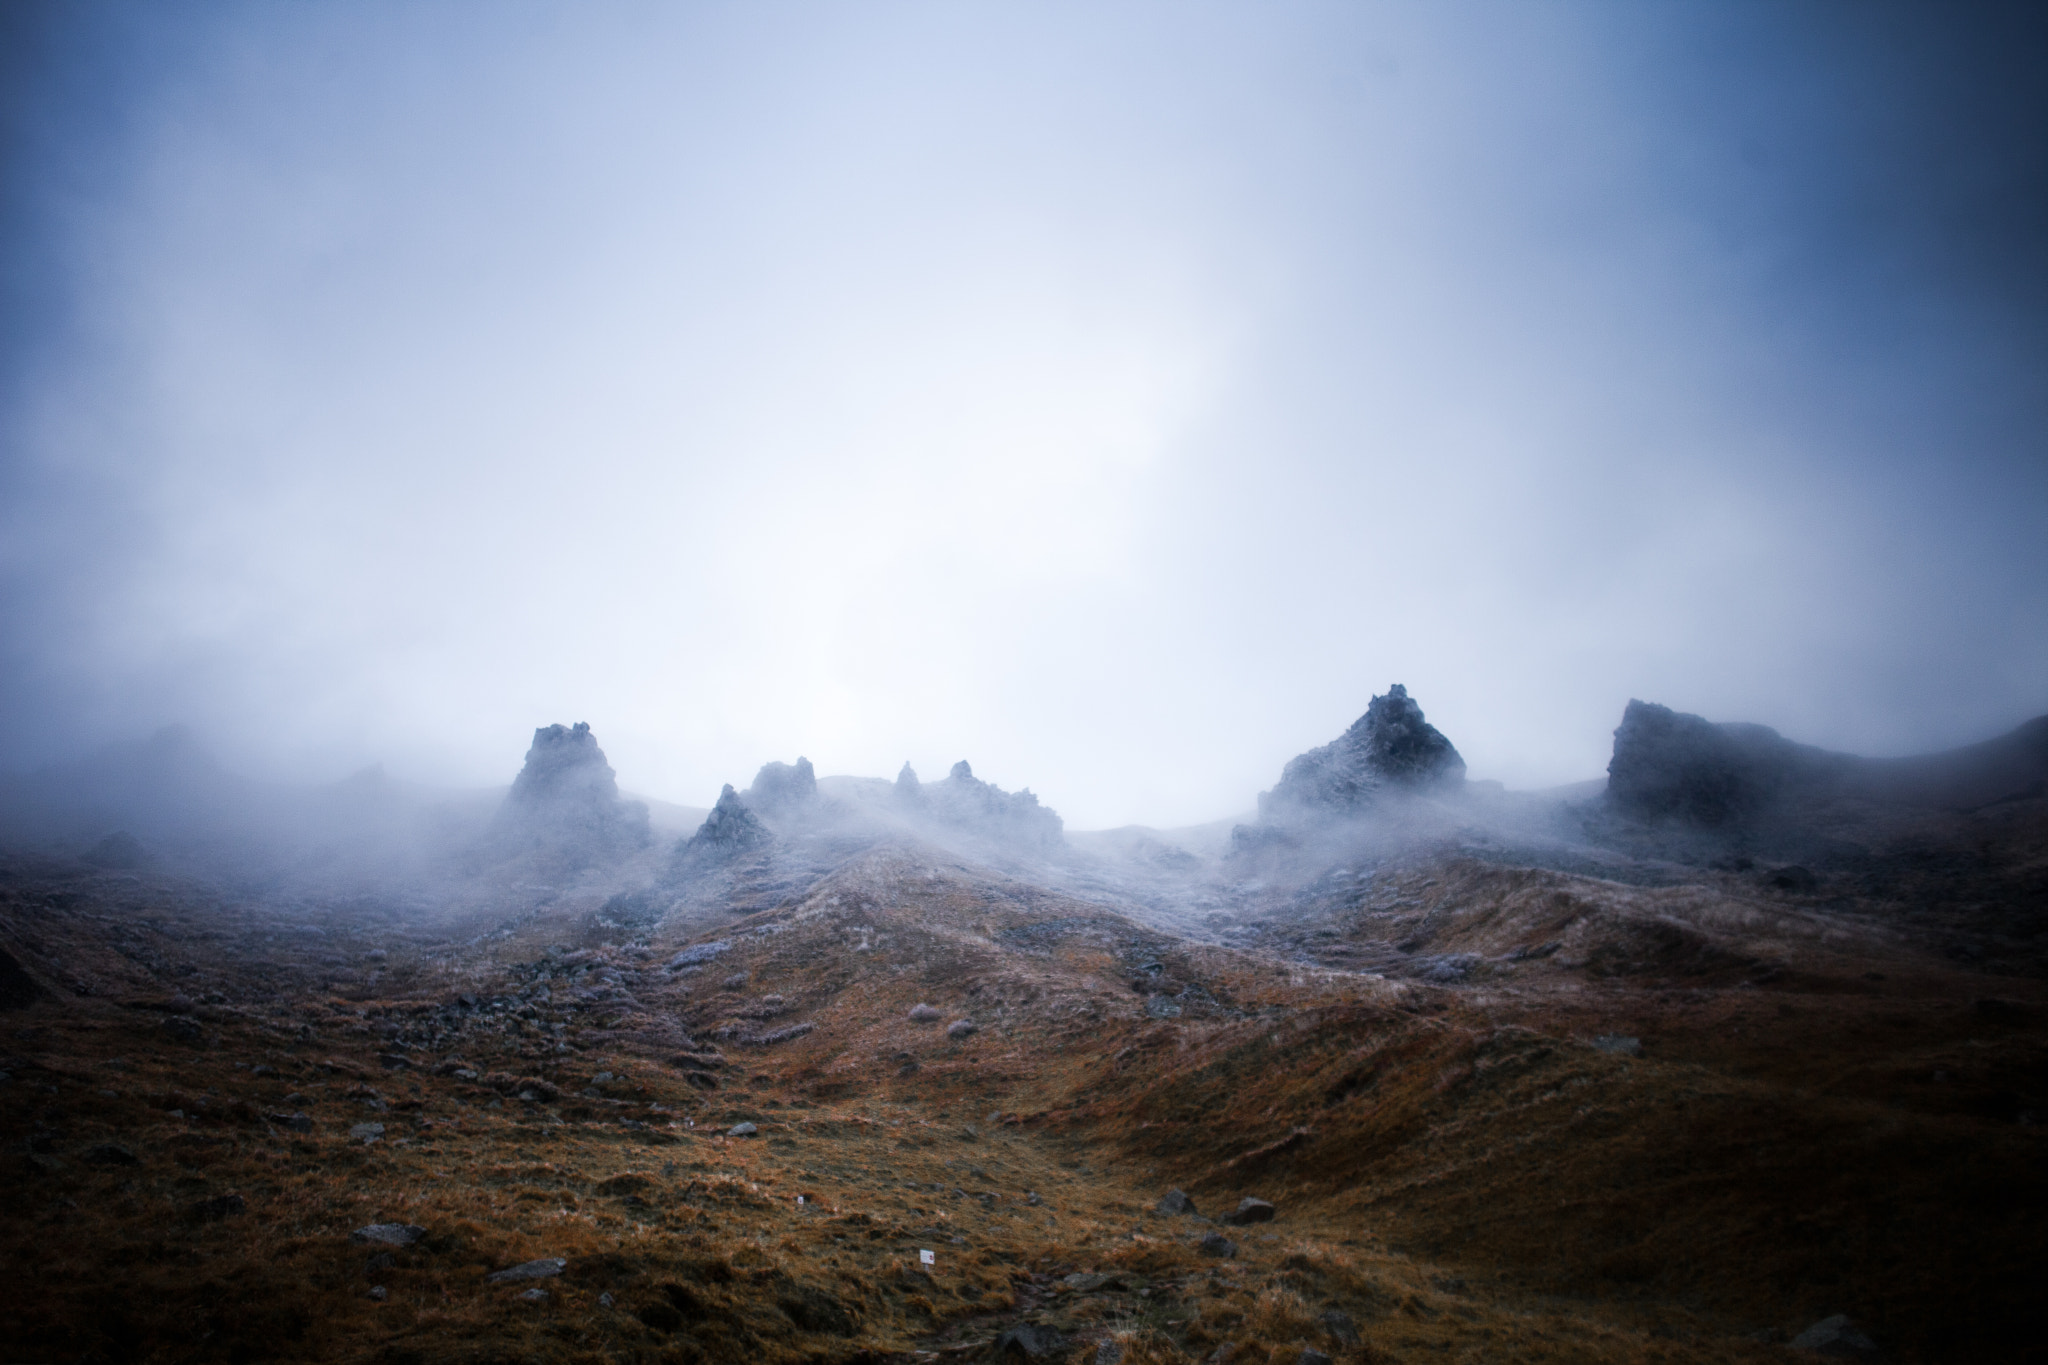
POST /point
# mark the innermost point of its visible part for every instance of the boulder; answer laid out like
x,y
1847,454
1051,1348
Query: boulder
x,y
1339,1325
1175,1203
742,1130
389,1234
118,852
960,1028
1216,1244
1249,1211
1030,1341
1839,1336
925,1014
546,1268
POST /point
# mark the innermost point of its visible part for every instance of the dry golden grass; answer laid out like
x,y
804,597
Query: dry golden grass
x,y
1457,1171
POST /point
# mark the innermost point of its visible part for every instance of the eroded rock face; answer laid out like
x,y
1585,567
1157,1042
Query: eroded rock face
x,y
965,801
1670,765
565,801
783,786
1390,747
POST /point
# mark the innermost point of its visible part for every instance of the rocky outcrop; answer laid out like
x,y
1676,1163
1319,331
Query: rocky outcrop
x,y
784,788
965,801
565,802
1390,748
1672,767
908,788
727,832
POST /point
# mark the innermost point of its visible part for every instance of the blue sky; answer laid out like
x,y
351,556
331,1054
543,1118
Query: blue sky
x,y
1115,395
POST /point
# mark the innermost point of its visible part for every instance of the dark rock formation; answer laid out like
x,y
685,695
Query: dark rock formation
x,y
119,851
1390,747
729,831
1670,765
1679,769
565,802
18,990
966,801
781,787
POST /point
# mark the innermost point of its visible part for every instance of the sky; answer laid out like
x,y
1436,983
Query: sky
x,y
1115,395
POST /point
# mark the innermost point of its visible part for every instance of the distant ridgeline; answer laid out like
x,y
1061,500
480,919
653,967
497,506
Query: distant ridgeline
x,y
1672,767
966,802
784,801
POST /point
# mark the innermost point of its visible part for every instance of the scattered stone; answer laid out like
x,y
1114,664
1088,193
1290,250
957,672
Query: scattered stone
x,y
393,1061
1175,1203
366,1133
297,1122
925,1014
1031,1198
1339,1325
214,1209
109,1154
1223,1354
1249,1211
605,1300
960,1028
1029,1341
1619,1045
180,1029
1109,1351
379,1293
1216,1244
1159,1007
742,1130
389,1234
1836,1336
546,1268
535,1295
1311,1356
701,953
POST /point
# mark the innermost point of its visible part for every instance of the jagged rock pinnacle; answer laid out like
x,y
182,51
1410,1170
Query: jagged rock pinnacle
x,y
565,800
1390,746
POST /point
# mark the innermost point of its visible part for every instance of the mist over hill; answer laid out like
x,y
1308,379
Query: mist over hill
x,y
1040,1090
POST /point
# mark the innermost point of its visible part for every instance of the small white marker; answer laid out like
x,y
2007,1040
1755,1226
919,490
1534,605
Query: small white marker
x,y
799,1199
926,1257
